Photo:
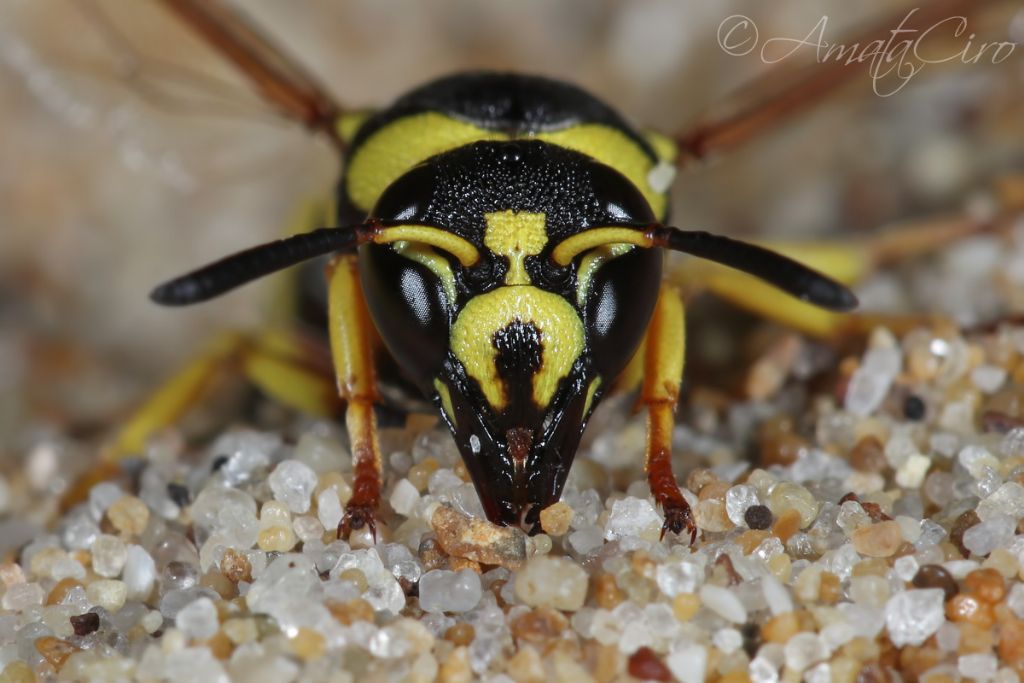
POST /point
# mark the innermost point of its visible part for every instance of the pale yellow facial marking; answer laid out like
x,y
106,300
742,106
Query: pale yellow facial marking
x,y
435,237
515,236
559,326
446,399
591,390
590,264
437,264
571,247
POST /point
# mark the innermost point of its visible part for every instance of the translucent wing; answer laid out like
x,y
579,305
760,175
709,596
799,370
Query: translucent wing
x,y
277,76
784,92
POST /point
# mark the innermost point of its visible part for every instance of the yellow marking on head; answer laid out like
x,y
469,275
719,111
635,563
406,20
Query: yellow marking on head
x,y
515,236
616,149
559,326
664,146
446,399
349,123
398,146
435,237
571,247
590,265
425,256
591,390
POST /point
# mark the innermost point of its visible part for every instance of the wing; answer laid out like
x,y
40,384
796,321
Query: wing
x,y
783,92
274,73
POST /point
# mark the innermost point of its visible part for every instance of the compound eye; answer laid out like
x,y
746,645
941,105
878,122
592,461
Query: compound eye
x,y
407,199
618,306
409,306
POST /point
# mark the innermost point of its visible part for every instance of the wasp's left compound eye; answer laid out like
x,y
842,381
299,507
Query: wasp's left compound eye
x,y
409,305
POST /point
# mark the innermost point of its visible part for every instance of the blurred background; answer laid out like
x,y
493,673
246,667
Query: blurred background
x,y
119,169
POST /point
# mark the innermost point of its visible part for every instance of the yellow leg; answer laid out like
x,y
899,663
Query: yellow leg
x,y
276,362
847,262
351,333
663,357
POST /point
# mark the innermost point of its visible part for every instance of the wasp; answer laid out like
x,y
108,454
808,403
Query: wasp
x,y
502,236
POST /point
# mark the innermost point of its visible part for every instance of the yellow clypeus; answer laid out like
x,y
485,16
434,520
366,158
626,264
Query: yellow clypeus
x,y
556,321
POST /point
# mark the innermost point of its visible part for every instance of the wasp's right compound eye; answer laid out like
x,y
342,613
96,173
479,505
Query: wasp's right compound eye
x,y
409,305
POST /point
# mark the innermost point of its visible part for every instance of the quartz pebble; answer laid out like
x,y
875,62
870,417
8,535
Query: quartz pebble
x,y
129,515
556,518
738,499
979,667
328,508
689,663
983,538
478,540
552,582
871,381
786,496
109,555
878,540
138,573
446,591
22,596
198,619
292,483
723,602
633,517
914,615
404,497
107,593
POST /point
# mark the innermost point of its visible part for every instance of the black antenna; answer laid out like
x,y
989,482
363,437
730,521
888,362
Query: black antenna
x,y
245,266
788,275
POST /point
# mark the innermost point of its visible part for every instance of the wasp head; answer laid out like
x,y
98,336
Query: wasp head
x,y
515,350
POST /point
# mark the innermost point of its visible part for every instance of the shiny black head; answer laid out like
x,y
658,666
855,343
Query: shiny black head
x,y
515,349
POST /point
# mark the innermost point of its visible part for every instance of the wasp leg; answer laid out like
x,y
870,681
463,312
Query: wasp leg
x,y
277,362
848,262
351,333
664,350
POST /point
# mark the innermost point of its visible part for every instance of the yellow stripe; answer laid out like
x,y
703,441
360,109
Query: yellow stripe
x,y
616,149
571,247
664,146
446,399
439,266
435,237
561,336
349,123
398,146
591,390
515,236
591,263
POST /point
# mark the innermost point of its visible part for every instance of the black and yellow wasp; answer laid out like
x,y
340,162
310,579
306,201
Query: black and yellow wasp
x,y
502,235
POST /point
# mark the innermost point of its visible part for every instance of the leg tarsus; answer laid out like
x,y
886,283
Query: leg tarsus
x,y
357,516
678,516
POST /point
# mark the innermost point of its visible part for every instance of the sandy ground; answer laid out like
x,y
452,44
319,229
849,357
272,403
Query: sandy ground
x,y
103,193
